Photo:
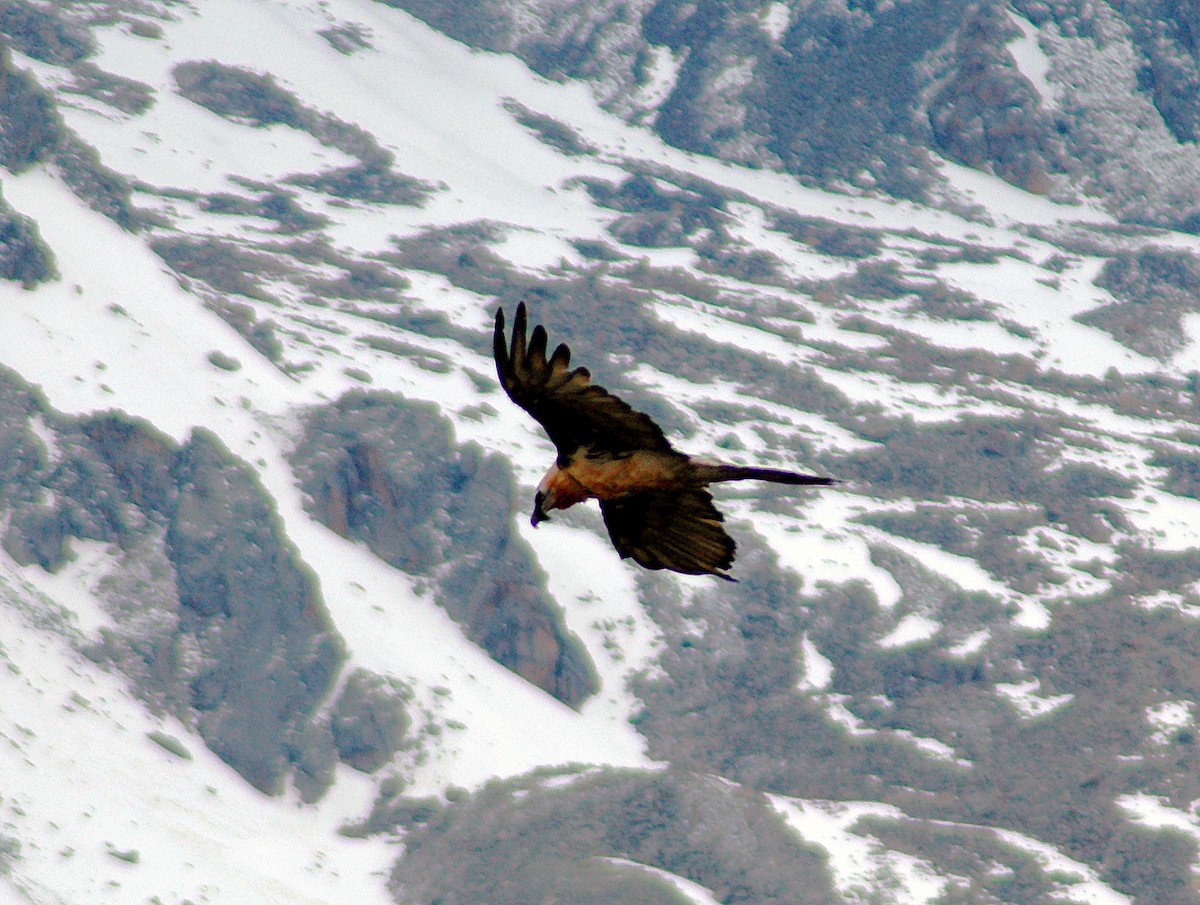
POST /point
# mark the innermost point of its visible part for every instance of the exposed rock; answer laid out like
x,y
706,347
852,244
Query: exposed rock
x,y
316,760
599,41
253,611
984,113
140,458
218,621
588,838
239,94
24,257
43,33
1154,290
856,95
127,95
245,96
30,127
387,471
369,722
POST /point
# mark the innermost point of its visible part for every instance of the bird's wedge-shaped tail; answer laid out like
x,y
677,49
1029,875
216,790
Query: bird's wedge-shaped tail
x,y
718,472
654,500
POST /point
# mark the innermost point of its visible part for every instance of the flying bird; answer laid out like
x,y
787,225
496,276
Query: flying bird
x,y
654,500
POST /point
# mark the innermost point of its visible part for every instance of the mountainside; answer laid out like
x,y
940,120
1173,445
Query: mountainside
x,y
274,625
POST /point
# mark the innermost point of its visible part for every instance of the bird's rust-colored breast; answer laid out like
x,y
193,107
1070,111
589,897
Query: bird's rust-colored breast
x,y
607,478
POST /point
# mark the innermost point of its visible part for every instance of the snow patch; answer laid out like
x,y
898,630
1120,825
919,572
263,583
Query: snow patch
x,y
71,586
1026,697
1032,60
691,892
119,819
972,644
775,18
817,671
911,629
1168,717
860,865
661,75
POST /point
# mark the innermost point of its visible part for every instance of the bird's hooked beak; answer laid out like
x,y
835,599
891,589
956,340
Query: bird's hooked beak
x,y
539,511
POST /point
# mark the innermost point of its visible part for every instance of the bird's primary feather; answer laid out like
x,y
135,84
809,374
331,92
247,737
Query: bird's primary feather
x,y
676,530
573,411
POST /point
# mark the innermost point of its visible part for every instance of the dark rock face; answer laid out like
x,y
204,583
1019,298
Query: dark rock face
x,y
219,622
41,34
32,127
140,460
868,95
1168,34
1153,289
388,472
242,586
236,93
985,113
24,257
369,722
32,132
522,840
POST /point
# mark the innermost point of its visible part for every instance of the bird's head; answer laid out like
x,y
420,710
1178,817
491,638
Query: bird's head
x,y
555,491
541,502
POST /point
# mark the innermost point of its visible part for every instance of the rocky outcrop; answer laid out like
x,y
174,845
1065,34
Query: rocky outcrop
x,y
388,472
1154,289
242,587
24,257
32,130
217,620
984,113
370,720
868,96
605,837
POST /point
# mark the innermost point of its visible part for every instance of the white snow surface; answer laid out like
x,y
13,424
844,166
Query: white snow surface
x,y
105,814
858,864
85,787
1032,60
861,865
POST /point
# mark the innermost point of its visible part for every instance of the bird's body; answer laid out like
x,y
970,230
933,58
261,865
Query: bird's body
x,y
603,476
653,498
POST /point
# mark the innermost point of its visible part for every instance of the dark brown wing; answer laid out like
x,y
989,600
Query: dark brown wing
x,y
574,411
677,530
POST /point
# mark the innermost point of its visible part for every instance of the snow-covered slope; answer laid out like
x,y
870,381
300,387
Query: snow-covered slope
x,y
967,674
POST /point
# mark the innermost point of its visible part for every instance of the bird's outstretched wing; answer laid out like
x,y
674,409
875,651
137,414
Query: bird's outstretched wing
x,y
574,411
678,530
